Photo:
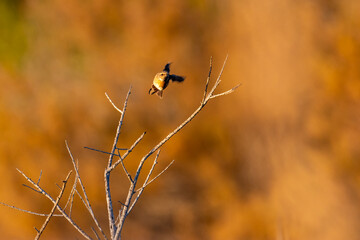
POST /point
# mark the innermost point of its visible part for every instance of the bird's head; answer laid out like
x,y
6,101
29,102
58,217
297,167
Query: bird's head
x,y
162,75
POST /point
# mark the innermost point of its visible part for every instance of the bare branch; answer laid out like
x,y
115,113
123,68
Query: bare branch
x,y
78,179
207,81
70,199
217,80
125,170
225,93
120,210
166,168
104,151
125,210
30,212
109,204
31,188
39,178
147,182
192,115
127,152
118,129
87,204
58,207
54,207
72,202
170,135
97,236
117,109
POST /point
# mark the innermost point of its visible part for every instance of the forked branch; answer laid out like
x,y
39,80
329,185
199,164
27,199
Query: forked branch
x,y
129,204
116,159
86,200
110,209
42,191
54,207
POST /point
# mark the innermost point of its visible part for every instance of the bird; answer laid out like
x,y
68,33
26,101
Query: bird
x,y
162,79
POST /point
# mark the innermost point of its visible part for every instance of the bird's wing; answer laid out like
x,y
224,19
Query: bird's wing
x,y
176,78
167,67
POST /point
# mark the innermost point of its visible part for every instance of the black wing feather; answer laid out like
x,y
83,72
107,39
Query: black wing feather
x,y
176,78
167,67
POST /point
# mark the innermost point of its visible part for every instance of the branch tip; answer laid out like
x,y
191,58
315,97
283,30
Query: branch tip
x,y
113,104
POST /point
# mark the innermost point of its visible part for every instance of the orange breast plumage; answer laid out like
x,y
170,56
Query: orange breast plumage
x,y
159,83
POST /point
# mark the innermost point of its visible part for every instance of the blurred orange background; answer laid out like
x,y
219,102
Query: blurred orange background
x,y
277,159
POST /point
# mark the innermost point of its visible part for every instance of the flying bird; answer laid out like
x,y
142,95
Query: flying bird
x,y
162,79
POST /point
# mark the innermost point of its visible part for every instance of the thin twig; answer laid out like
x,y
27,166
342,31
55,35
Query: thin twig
x,y
31,188
147,182
39,178
126,153
71,202
30,212
118,216
58,207
54,207
125,170
119,154
70,199
73,191
165,169
96,234
87,204
218,80
117,109
170,135
109,153
81,198
71,195
225,93
207,81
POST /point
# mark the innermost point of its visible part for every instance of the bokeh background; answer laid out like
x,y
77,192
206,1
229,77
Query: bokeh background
x,y
277,159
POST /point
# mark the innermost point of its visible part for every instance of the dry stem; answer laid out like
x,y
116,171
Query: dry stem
x,y
54,207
